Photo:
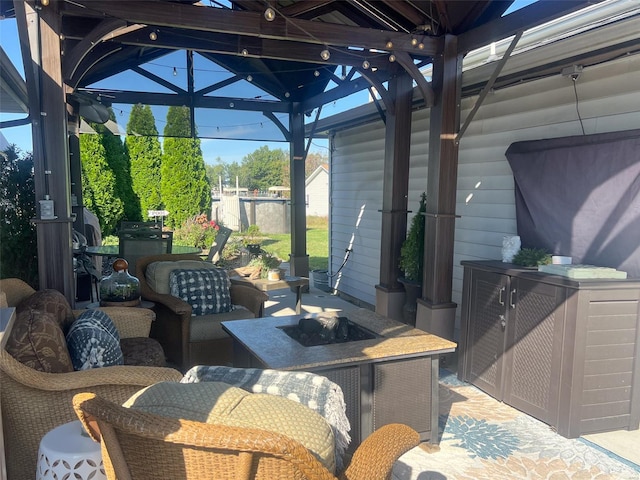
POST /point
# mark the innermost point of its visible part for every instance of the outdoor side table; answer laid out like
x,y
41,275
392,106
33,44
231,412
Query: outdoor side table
x,y
68,452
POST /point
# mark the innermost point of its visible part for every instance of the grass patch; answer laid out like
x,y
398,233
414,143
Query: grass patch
x,y
317,243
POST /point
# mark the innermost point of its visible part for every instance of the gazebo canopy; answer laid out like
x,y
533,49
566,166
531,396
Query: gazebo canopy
x,y
297,56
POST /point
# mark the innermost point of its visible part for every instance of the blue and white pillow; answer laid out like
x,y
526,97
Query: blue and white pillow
x,y
206,290
93,341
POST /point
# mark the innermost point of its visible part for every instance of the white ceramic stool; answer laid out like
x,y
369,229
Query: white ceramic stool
x,y
67,452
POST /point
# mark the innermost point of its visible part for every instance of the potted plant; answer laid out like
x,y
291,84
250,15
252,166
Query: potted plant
x,y
531,257
411,261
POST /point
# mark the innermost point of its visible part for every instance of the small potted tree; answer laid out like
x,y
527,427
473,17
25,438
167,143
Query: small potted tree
x,y
412,260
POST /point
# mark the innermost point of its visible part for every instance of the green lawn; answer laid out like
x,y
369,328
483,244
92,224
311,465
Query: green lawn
x,y
317,243
280,244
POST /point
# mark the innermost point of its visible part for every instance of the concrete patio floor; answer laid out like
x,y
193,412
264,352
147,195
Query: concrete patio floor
x,y
623,443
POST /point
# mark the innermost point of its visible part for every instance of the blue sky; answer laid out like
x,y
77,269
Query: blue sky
x,y
172,67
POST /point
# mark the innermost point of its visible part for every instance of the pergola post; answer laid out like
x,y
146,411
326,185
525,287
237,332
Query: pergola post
x,y
389,292
436,312
39,30
299,260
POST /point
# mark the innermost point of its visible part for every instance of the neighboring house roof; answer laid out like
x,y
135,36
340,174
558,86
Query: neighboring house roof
x,y
13,89
315,173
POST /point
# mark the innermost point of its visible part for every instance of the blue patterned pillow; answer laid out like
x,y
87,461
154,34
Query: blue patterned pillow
x,y
206,290
93,341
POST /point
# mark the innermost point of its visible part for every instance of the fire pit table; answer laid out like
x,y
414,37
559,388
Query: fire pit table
x,y
390,378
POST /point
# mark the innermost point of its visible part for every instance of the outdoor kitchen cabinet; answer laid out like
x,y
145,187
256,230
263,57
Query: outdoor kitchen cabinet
x,y
561,350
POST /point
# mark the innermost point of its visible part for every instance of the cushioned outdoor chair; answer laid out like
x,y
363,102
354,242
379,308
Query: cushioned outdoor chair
x,y
192,339
140,445
34,401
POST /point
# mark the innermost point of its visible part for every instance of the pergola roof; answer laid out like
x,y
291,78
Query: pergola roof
x,y
303,55
282,56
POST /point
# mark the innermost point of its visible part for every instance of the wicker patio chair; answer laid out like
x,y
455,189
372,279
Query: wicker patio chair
x,y
140,445
34,402
184,345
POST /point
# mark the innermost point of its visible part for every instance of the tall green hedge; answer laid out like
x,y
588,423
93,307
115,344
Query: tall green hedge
x,y
184,187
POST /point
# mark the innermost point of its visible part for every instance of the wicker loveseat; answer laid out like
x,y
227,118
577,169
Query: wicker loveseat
x,y
191,340
34,402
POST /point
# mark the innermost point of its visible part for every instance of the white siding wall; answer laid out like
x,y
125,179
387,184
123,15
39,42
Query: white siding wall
x,y
317,192
609,100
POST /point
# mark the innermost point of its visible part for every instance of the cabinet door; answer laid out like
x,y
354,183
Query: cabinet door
x,y
485,331
533,352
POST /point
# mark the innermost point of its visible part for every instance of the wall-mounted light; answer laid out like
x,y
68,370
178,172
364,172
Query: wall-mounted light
x,y
270,14
153,36
366,64
175,71
325,54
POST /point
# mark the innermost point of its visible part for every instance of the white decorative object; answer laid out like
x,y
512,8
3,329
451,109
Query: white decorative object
x,y
68,452
510,246
560,260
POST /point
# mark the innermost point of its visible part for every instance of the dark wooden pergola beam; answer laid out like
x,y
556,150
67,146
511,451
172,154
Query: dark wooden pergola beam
x,y
170,99
535,14
252,24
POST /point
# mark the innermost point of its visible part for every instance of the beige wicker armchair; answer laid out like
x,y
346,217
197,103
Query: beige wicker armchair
x,y
140,445
188,340
34,402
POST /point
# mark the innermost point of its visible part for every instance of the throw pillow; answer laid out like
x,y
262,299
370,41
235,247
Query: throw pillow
x,y
157,273
93,341
37,341
51,301
206,290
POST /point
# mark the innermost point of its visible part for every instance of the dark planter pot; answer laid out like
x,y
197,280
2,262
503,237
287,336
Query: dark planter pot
x,y
413,291
254,248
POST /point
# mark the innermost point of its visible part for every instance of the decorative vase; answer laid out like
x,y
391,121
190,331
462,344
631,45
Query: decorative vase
x,y
120,288
413,291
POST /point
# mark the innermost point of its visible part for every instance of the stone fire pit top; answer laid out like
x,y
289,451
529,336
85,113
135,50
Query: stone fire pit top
x,y
276,349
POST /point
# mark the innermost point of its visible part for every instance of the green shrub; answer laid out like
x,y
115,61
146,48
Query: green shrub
x,y
412,250
196,231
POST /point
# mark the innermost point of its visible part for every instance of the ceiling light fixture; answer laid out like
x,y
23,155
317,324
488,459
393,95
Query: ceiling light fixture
x,y
245,52
366,64
153,36
325,54
414,41
389,45
175,71
316,73
421,46
249,78
392,58
287,94
270,14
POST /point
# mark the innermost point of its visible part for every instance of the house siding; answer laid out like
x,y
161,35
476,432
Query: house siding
x,y
546,108
317,192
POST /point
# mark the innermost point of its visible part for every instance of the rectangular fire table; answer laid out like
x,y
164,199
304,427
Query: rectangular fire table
x,y
392,378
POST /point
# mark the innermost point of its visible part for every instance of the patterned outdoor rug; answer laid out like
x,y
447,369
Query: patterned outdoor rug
x,y
482,438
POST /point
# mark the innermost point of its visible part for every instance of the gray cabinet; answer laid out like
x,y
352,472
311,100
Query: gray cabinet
x,y
563,351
